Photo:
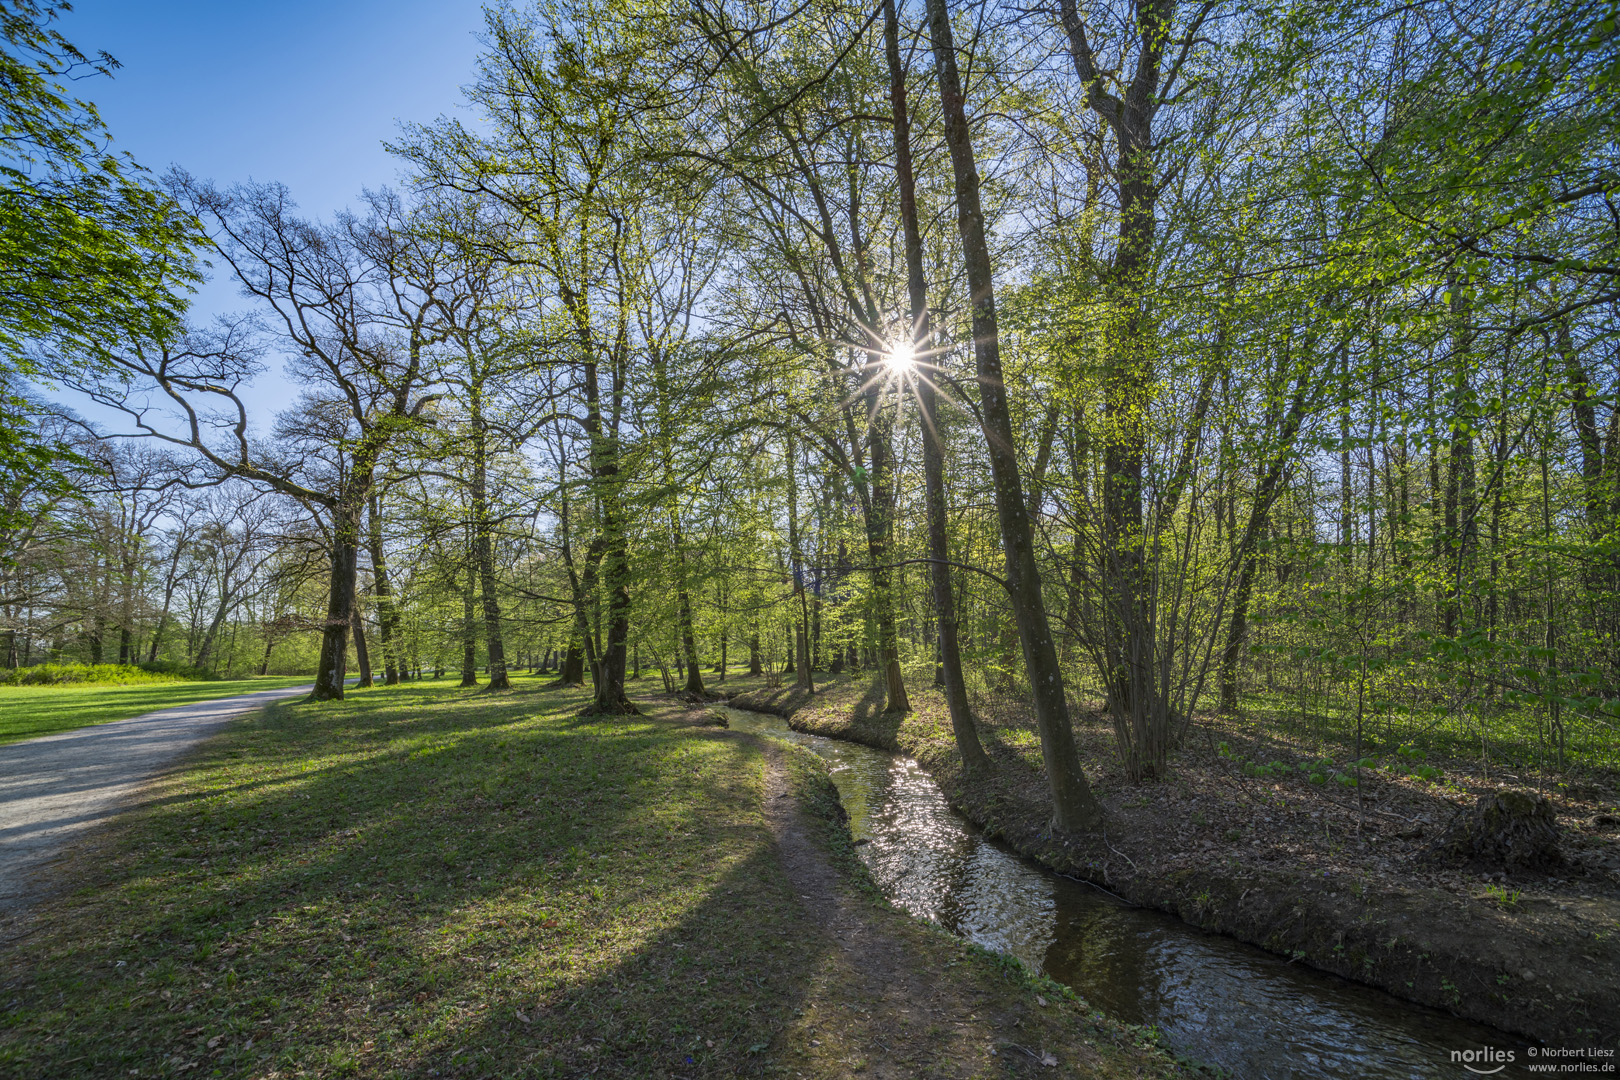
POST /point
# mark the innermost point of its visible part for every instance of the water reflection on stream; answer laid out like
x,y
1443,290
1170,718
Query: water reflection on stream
x,y
1214,998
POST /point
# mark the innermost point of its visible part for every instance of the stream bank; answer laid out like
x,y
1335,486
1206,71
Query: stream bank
x,y
1536,957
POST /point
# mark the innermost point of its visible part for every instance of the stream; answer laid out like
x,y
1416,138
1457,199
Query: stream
x,y
1213,999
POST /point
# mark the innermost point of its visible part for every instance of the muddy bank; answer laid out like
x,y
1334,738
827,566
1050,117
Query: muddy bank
x,y
1347,889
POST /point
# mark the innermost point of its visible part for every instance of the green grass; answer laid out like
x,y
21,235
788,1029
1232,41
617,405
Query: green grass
x,y
28,711
422,878
426,881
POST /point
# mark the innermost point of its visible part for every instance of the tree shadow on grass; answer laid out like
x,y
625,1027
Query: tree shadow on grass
x,y
487,897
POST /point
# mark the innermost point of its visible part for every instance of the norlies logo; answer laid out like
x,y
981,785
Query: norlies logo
x,y
1477,1061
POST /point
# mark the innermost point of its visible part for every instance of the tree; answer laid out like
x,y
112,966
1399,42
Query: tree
x,y
1074,808
355,316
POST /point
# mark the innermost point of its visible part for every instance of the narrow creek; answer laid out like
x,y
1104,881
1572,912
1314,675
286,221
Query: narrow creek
x,y
1213,998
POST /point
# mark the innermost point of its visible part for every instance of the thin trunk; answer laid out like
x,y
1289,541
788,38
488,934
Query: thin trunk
x,y
801,628
974,759
694,673
126,614
1074,807
383,594
168,599
1245,551
572,672
725,633
469,627
362,656
1461,527
1582,402
483,548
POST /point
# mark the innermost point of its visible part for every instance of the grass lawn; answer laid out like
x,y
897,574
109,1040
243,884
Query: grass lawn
x,y
426,881
28,711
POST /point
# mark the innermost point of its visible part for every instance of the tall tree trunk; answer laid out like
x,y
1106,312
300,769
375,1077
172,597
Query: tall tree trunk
x,y
168,598
157,631
694,673
383,594
974,759
469,625
803,679
572,672
725,633
1076,608
1600,482
571,669
362,655
876,493
1141,719
609,667
1245,550
334,659
1461,513
126,612
483,548
1074,807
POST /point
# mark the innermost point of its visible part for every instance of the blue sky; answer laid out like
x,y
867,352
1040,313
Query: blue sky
x,y
294,91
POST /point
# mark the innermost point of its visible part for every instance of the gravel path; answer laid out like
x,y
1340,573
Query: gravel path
x,y
55,787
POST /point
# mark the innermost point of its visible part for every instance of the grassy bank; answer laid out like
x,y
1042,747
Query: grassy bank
x,y
30,711
428,881
1250,837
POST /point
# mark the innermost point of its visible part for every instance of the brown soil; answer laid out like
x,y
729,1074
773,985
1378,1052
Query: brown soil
x,y
900,999
1349,880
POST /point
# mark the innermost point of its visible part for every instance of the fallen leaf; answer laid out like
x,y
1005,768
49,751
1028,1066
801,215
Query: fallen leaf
x,y
1041,1001
550,924
1048,1059
523,1019
215,1041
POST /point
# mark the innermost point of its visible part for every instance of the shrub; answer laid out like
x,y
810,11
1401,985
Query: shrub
x,y
101,674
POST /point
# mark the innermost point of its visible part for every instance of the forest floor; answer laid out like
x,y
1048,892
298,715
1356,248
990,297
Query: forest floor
x,y
1344,878
27,712
428,881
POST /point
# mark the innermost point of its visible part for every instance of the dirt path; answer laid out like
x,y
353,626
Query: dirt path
x,y
896,999
55,787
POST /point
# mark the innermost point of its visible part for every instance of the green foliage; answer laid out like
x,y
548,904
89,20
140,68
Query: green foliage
x,y
90,254
103,674
1504,896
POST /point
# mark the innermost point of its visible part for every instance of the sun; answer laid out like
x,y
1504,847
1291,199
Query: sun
x,y
900,357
